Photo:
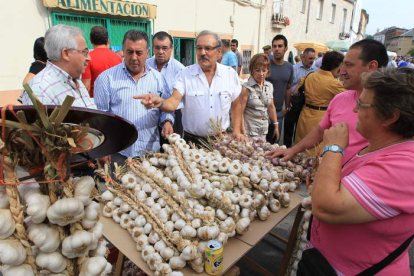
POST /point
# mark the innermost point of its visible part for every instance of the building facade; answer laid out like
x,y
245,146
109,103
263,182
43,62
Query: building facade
x,y
253,22
402,44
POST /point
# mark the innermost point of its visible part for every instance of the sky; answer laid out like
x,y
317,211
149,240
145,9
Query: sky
x,y
388,13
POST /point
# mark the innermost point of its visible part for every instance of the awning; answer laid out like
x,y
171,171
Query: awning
x,y
339,45
319,47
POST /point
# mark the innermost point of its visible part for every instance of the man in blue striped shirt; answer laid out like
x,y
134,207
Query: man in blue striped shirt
x,y
115,87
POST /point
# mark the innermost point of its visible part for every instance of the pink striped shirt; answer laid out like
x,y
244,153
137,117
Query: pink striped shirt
x,y
383,183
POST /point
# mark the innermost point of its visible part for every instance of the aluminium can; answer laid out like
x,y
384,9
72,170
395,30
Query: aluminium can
x,y
213,253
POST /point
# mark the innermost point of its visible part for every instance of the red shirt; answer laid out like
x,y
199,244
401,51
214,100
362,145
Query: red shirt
x,y
101,60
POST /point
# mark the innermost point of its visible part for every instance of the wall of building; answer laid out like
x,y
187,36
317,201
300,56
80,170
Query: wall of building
x,y
21,23
401,45
305,26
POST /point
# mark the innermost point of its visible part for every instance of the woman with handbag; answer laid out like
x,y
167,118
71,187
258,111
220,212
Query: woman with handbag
x,y
320,87
254,107
364,210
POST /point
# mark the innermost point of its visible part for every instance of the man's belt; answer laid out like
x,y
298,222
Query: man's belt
x,y
316,107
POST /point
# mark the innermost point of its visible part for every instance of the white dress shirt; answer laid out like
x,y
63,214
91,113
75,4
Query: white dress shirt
x,y
203,102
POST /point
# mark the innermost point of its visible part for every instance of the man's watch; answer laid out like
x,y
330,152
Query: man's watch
x,y
333,148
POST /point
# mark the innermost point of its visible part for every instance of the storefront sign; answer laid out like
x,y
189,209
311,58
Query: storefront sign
x,y
114,7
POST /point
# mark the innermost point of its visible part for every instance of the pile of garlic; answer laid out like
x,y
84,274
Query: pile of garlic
x,y
173,203
57,235
254,151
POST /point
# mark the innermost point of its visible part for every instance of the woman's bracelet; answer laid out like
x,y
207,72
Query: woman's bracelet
x,y
275,123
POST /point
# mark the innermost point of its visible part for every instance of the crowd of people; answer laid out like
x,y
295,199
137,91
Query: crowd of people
x,y
357,115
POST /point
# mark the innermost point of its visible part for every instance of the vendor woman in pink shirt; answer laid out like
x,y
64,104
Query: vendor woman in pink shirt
x,y
364,209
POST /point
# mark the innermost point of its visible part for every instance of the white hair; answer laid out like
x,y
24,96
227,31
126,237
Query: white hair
x,y
59,37
215,35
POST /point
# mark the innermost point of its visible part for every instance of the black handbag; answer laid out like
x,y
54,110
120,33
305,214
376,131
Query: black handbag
x,y
298,101
313,263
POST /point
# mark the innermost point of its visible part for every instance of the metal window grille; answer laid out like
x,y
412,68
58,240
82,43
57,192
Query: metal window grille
x,y
116,27
247,55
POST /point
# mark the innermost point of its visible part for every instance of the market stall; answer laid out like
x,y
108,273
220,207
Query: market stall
x,y
160,210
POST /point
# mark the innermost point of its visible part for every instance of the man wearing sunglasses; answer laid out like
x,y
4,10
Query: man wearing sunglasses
x,y
363,56
207,89
68,57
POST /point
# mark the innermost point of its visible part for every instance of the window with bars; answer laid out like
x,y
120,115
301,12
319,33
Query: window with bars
x,y
303,9
319,11
116,27
247,55
333,13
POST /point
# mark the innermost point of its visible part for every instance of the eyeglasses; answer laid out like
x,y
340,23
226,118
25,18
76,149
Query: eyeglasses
x,y
164,48
360,105
207,48
84,52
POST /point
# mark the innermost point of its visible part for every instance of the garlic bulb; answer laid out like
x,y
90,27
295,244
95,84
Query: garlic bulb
x,y
162,269
189,253
188,232
7,225
107,196
101,249
179,224
78,244
45,237
264,213
146,252
91,215
140,220
141,241
274,205
242,225
154,260
12,252
177,262
95,266
129,180
53,262
37,205
83,189
167,253
20,270
65,211
159,245
153,237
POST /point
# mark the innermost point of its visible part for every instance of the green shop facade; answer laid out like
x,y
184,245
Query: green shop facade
x,y
118,17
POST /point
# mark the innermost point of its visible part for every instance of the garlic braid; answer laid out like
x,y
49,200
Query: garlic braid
x,y
16,210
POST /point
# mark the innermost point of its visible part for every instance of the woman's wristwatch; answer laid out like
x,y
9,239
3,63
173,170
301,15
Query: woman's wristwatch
x,y
333,148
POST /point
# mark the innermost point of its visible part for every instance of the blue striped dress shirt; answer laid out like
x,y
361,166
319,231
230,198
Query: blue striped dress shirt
x,y
113,92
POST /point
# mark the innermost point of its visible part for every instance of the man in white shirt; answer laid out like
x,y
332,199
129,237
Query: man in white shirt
x,y
207,89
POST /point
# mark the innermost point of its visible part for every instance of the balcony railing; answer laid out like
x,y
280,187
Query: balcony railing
x,y
280,21
344,35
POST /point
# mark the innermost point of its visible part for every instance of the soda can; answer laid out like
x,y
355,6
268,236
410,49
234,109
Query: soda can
x,y
213,253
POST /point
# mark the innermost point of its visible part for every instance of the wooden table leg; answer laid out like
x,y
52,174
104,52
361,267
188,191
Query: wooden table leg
x,y
291,242
119,265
